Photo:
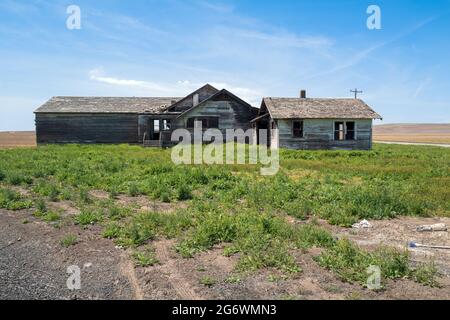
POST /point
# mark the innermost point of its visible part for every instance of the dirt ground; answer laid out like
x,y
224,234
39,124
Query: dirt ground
x,y
419,133
399,233
17,139
33,265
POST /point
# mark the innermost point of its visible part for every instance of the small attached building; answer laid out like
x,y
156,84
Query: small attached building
x,y
316,123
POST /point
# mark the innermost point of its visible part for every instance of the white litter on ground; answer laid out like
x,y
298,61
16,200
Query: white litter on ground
x,y
364,224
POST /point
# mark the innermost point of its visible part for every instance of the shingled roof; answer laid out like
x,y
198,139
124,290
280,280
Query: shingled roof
x,y
106,105
315,108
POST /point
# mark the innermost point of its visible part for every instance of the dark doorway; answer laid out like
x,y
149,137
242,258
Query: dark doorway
x,y
155,129
263,125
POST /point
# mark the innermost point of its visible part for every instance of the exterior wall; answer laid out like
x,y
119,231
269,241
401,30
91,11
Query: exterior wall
x,y
319,134
86,128
232,114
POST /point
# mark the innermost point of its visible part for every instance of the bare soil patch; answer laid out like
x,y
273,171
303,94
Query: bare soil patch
x,y
398,233
33,263
146,204
143,203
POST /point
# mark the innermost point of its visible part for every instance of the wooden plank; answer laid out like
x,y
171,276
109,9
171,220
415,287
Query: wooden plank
x,y
87,128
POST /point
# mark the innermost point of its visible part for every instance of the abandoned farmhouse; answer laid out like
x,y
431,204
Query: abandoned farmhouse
x,y
295,123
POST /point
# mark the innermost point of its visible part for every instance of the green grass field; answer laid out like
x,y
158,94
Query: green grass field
x,y
234,204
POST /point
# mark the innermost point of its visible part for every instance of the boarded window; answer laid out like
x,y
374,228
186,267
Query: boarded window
x,y
297,129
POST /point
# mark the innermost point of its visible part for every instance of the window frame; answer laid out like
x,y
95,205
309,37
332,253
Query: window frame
x,y
301,129
166,124
188,123
156,125
344,131
347,131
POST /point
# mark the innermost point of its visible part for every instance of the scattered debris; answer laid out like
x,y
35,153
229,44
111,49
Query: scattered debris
x,y
432,227
419,245
364,224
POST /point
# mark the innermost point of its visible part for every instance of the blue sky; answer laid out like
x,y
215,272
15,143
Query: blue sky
x,y
253,48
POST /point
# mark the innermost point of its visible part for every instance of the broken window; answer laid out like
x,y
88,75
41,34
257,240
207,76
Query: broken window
x,y
339,131
344,130
190,123
350,131
213,123
156,126
166,124
297,129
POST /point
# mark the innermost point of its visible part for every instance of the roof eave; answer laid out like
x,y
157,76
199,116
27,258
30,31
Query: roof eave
x,y
191,94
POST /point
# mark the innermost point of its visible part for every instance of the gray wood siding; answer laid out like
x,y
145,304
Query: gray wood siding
x,y
231,114
319,134
86,128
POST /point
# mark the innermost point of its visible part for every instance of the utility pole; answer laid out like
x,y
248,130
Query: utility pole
x,y
356,92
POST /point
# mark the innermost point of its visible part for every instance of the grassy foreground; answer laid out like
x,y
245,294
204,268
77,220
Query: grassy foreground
x,y
235,205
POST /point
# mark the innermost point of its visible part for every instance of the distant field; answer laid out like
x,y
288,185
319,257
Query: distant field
x,y
17,139
420,133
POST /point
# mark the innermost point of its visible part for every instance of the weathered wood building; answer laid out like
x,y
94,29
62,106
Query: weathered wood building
x,y
297,123
313,123
149,121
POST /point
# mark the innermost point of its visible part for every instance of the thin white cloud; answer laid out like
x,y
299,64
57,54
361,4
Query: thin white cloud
x,y
363,54
98,75
252,96
421,86
286,39
18,8
216,6
180,88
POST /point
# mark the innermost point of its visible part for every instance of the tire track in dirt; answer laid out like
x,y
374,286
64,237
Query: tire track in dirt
x,y
127,269
169,267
